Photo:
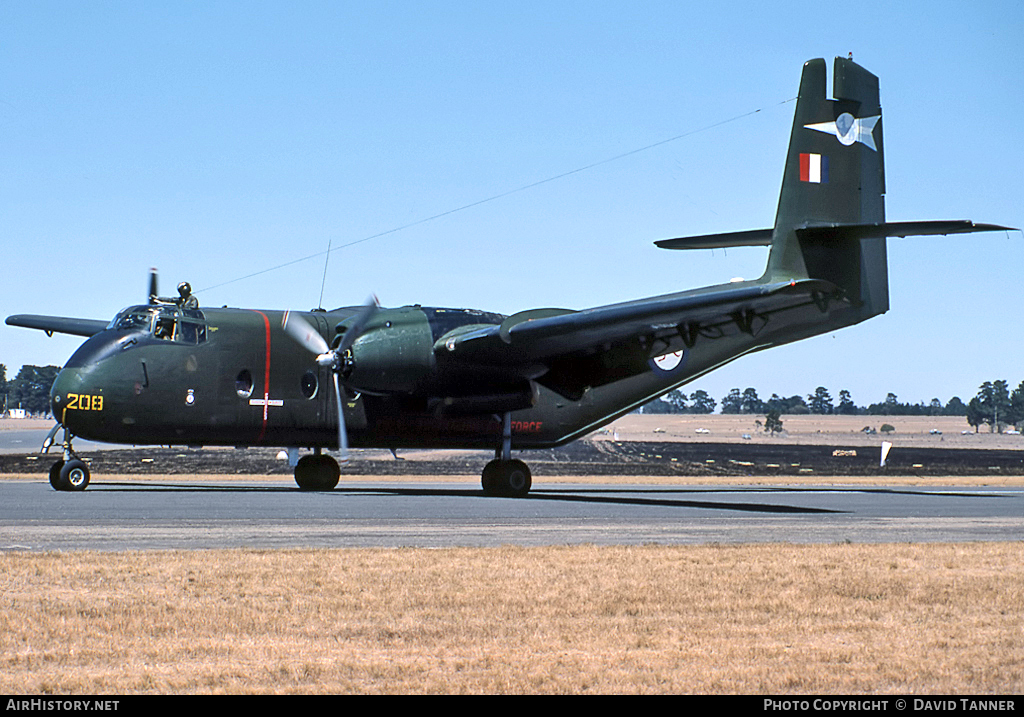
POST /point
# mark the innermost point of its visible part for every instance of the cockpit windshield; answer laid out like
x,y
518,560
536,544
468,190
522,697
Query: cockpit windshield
x,y
164,322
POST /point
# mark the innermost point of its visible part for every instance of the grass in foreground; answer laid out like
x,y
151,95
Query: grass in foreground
x,y
730,619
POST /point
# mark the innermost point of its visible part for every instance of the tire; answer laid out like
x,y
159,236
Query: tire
x,y
507,478
74,475
491,478
516,479
55,474
317,472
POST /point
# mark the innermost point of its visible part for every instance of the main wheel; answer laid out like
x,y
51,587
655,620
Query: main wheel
x,y
490,478
516,479
317,472
74,475
507,478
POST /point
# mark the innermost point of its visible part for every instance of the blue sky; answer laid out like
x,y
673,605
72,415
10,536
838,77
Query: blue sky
x,y
215,140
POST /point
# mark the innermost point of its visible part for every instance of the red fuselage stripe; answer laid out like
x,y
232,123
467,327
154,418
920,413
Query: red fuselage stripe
x,y
266,375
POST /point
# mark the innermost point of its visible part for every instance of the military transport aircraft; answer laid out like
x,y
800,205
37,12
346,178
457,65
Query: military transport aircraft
x,y
169,372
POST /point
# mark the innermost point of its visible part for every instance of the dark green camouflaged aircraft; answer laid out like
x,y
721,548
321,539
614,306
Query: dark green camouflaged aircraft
x,y
169,372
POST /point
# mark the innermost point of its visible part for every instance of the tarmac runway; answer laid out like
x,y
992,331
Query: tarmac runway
x,y
273,513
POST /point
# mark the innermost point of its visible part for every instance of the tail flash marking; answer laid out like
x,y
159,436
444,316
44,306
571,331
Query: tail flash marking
x,y
814,168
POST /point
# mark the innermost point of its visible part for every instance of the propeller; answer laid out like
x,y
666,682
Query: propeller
x,y
310,339
153,296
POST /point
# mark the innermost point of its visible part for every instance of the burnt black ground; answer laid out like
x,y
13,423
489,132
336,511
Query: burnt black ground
x,y
582,458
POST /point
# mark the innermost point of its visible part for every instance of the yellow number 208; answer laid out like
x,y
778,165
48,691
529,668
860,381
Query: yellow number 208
x,y
84,402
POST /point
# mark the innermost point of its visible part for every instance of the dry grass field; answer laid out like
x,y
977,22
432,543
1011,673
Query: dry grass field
x,y
771,619
913,431
779,619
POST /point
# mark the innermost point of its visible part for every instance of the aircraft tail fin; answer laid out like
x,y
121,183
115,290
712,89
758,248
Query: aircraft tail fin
x,y
834,180
830,224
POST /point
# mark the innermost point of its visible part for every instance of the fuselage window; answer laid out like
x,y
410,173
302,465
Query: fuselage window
x,y
309,384
243,383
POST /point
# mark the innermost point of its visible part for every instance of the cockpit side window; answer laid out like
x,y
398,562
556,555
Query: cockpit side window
x,y
191,332
133,321
164,328
167,323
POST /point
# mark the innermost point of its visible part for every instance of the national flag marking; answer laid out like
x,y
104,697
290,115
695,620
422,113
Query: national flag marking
x,y
814,168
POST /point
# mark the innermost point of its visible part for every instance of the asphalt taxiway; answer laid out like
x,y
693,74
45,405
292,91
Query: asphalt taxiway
x,y
271,513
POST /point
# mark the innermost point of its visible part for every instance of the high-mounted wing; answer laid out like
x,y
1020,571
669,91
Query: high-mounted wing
x,y
568,351
58,324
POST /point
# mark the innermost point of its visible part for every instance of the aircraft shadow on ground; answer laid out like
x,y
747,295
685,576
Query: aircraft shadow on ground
x,y
632,496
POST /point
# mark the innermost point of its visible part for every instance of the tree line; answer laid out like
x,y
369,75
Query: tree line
x,y
994,405
29,390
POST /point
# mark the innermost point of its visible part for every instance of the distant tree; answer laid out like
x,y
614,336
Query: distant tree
x,y
733,403
677,400
30,389
891,404
887,428
935,407
751,403
846,405
994,403
657,406
954,407
1017,405
795,405
701,402
974,413
772,421
820,402
890,407
3,389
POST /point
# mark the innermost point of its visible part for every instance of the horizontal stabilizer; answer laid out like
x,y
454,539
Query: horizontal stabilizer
x,y
763,237
895,229
58,324
754,237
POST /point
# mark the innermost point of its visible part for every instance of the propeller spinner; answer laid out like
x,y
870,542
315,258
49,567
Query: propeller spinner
x,y
310,339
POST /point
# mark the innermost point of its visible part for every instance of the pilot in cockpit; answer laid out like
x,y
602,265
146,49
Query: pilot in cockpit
x,y
187,299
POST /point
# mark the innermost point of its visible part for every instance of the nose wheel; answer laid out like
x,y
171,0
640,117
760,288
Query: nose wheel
x,y
69,475
70,472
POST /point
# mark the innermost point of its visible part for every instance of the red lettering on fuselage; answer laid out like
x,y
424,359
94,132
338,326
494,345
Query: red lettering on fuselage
x,y
527,426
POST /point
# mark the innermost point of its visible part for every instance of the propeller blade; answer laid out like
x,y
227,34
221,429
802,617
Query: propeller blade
x,y
152,286
342,431
358,324
306,336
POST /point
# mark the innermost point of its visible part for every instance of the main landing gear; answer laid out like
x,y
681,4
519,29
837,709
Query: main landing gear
x,y
504,475
317,472
70,472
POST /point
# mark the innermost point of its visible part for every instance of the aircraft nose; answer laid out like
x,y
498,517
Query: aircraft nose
x,y
68,383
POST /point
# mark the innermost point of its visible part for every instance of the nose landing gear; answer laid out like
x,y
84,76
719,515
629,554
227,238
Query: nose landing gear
x,y
70,472
69,475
